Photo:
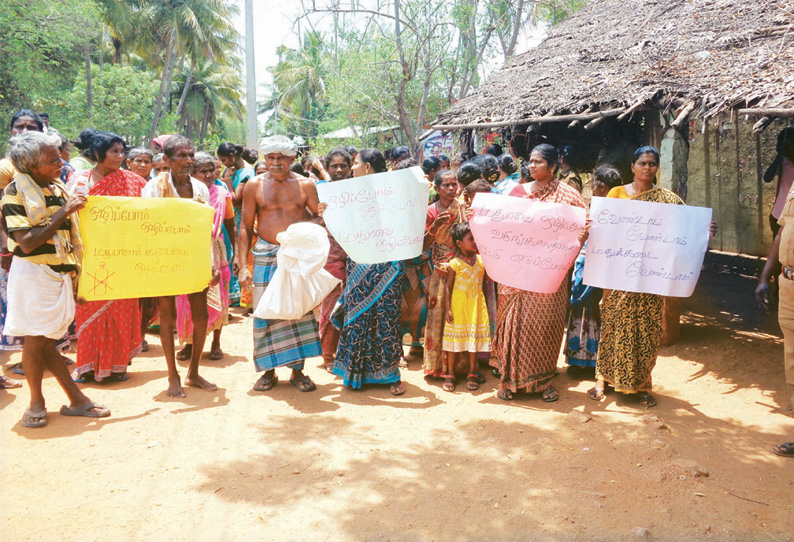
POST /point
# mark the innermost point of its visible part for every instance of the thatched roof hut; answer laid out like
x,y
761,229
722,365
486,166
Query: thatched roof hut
x,y
697,57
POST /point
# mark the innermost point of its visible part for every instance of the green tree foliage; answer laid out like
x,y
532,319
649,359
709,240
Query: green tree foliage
x,y
397,62
213,92
299,78
93,63
41,49
123,103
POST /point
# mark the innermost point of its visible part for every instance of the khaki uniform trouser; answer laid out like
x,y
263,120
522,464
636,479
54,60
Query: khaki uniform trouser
x,y
786,319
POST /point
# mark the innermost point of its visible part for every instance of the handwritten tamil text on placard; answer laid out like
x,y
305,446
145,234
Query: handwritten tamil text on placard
x,y
144,247
378,218
640,246
526,244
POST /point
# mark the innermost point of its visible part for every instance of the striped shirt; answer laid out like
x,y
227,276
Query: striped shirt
x,y
16,219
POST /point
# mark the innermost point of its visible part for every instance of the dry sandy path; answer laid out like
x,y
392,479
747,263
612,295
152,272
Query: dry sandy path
x,y
342,465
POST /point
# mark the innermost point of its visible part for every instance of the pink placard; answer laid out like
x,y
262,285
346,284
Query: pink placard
x,y
526,244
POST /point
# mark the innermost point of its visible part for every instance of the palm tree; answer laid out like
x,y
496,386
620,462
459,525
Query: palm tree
x,y
210,90
299,75
122,20
193,29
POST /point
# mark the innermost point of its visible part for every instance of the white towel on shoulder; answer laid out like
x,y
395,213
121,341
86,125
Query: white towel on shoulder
x,y
40,301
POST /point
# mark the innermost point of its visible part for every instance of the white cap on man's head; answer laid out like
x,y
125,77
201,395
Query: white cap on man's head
x,y
278,144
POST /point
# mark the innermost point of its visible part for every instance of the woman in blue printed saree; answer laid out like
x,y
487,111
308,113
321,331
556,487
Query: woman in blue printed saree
x,y
370,346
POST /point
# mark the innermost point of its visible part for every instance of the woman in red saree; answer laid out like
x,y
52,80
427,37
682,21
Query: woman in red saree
x,y
109,332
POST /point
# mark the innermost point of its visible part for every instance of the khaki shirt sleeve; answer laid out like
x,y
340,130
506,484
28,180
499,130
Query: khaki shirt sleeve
x,y
7,172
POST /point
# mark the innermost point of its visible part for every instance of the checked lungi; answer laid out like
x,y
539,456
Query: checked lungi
x,y
279,342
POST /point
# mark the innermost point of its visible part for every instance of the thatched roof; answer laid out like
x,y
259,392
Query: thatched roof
x,y
719,54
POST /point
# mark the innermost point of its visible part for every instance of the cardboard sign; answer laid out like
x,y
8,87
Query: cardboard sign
x,y
378,218
144,247
646,247
526,244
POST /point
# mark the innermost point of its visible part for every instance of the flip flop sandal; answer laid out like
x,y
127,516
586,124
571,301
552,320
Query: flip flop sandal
x,y
183,356
472,382
550,396
85,411
144,346
449,384
215,355
303,383
496,373
397,388
647,401
595,394
505,395
784,450
83,378
266,383
34,420
480,378
18,369
9,383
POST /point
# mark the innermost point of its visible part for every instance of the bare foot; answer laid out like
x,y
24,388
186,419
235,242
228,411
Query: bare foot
x,y
197,381
175,389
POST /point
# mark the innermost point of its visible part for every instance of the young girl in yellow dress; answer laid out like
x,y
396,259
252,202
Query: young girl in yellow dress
x,y
467,328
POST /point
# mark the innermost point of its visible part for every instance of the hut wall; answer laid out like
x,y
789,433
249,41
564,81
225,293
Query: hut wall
x,y
726,164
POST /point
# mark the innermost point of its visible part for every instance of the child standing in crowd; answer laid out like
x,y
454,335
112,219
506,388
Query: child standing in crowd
x,y
467,328
584,317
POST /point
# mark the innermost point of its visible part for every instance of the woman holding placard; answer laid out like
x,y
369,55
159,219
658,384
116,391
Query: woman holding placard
x,y
529,325
370,346
631,323
109,331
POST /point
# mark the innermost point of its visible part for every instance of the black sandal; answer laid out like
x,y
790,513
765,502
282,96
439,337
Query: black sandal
x,y
266,383
784,450
505,395
550,395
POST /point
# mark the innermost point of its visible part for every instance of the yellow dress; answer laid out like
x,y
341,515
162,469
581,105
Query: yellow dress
x,y
470,331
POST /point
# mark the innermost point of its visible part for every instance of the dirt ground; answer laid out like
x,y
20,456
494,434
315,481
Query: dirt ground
x,y
343,465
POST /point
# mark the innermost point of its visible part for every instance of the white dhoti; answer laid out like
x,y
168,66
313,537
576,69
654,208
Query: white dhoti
x,y
40,301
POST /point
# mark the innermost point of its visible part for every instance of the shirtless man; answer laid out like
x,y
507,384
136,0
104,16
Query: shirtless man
x,y
178,183
277,199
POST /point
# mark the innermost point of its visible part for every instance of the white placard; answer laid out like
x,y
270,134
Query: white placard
x,y
646,247
378,218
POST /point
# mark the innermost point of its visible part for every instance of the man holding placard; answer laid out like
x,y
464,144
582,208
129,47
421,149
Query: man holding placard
x,y
178,183
276,200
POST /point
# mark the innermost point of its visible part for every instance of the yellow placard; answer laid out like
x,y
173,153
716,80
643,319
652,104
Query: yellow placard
x,y
144,247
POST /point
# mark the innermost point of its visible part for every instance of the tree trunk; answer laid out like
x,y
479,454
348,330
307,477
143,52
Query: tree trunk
x,y
405,118
171,67
158,106
251,125
88,97
116,51
511,49
188,80
205,122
